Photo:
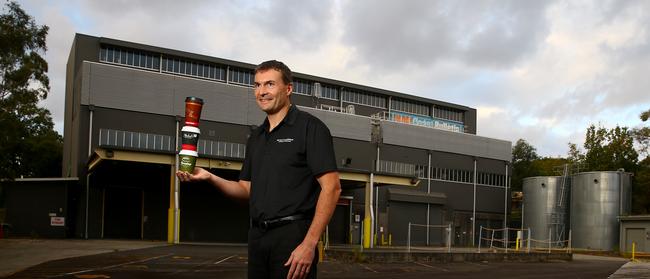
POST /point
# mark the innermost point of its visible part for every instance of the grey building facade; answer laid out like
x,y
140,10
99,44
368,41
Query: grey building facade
x,y
403,159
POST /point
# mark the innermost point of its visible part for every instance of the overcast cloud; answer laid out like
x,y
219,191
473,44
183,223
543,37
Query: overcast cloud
x,y
538,70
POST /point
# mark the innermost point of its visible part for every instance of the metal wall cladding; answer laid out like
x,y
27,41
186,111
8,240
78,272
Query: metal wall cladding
x,y
597,199
447,141
541,196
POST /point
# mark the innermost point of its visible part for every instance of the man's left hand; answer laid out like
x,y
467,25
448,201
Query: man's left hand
x,y
300,261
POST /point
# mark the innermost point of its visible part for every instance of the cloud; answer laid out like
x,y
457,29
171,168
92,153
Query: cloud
x,y
538,70
494,34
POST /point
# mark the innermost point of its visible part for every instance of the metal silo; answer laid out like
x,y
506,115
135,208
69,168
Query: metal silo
x,y
597,199
545,208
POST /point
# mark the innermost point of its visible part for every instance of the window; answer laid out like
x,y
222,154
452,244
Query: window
x,y
448,114
129,57
329,92
363,98
302,87
409,107
241,76
191,68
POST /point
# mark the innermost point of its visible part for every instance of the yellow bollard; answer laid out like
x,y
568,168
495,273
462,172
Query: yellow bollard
x,y
633,249
390,239
321,251
517,244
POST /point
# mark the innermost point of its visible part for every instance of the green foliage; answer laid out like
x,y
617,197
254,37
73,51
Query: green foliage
x,y
608,150
29,146
641,188
523,155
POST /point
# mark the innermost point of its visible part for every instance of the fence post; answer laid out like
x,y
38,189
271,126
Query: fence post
x,y
569,241
492,240
480,233
506,236
549,239
529,236
408,242
449,238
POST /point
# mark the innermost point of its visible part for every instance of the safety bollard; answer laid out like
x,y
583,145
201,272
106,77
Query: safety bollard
x,y
321,251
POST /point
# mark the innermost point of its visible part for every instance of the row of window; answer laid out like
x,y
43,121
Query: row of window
x,y
363,98
190,68
329,92
448,113
465,176
409,107
135,58
241,76
302,87
151,61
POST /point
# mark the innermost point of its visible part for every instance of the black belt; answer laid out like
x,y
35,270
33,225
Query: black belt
x,y
278,222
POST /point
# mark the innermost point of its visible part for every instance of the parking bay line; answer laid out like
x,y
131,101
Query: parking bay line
x,y
430,266
112,266
368,268
223,260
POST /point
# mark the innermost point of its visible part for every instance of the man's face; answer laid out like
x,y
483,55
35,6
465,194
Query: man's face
x,y
271,93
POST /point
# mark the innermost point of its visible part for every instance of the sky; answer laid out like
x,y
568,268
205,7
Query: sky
x,y
542,71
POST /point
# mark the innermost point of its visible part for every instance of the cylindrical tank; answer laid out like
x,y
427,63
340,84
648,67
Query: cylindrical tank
x,y
543,210
597,199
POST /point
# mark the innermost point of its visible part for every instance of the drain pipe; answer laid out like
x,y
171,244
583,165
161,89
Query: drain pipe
x,y
91,108
620,171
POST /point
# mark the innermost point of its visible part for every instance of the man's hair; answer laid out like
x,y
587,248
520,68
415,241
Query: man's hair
x,y
278,66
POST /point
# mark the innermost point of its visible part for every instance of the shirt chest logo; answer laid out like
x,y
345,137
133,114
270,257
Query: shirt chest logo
x,y
287,140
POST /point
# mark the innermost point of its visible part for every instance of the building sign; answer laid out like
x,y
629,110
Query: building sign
x,y
426,121
57,221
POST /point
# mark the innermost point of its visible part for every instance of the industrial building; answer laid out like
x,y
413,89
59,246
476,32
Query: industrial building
x,y
402,158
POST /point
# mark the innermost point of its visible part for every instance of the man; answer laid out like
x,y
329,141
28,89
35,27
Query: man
x,y
287,158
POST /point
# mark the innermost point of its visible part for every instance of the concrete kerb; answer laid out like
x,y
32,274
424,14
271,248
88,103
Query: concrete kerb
x,y
384,256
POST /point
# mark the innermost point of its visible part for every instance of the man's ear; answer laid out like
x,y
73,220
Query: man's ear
x,y
289,89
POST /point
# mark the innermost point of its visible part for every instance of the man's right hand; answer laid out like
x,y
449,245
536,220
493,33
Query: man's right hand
x,y
199,175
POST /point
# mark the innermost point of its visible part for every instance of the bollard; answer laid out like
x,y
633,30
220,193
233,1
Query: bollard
x,y
321,251
633,249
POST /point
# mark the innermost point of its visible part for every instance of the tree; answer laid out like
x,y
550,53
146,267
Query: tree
x,y
523,155
575,156
29,145
608,150
642,135
641,188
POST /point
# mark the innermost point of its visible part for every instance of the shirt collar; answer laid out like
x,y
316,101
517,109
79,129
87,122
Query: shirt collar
x,y
290,119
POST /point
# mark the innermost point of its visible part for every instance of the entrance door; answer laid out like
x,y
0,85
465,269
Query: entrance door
x,y
123,213
339,226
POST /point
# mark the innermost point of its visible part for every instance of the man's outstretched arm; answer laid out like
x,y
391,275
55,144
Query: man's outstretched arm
x,y
235,189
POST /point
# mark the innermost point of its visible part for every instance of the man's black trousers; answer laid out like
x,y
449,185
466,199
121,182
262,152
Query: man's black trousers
x,y
269,250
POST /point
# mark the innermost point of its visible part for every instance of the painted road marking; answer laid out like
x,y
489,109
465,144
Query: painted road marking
x,y
228,258
92,276
430,266
112,266
368,268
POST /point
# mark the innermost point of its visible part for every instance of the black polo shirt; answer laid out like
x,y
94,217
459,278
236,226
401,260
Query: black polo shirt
x,y
282,165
